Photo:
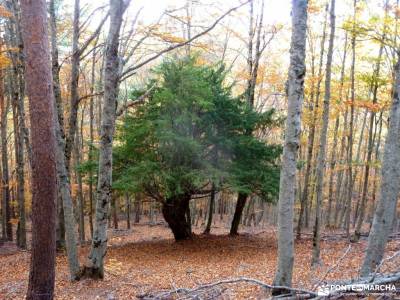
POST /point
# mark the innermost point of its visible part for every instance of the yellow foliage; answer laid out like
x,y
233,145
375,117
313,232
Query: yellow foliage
x,y
374,107
5,13
4,61
169,38
14,221
201,61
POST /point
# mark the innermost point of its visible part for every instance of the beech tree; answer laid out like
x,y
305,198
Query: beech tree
x,y
295,90
320,169
111,83
44,185
389,193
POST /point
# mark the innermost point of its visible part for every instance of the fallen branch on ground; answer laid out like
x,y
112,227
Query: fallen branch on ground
x,y
293,293
193,293
384,261
347,286
332,268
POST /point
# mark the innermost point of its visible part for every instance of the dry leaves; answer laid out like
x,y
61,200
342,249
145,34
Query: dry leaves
x,y
147,259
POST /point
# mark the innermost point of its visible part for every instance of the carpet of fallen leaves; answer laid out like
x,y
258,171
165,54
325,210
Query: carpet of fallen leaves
x,y
146,259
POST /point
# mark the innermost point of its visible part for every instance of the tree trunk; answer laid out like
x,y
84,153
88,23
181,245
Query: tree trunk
x,y
13,39
81,200
295,93
95,269
342,173
174,211
114,208
19,155
4,161
91,137
44,185
64,188
240,204
304,203
389,192
60,237
74,94
377,157
335,140
136,208
351,128
253,61
322,146
128,211
210,210
357,232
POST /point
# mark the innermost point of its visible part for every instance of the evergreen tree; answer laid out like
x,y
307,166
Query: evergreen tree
x,y
189,134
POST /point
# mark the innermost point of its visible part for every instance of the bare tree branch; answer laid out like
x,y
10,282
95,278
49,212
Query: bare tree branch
x,y
128,72
135,102
93,36
188,292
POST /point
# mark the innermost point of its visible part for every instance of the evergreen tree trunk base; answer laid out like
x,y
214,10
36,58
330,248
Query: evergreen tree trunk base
x,y
91,272
355,237
174,212
241,202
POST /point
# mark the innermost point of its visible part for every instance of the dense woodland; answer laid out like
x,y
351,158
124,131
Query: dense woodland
x,y
197,149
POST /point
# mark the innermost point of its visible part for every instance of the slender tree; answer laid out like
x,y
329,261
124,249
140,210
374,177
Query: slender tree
x,y
255,48
334,153
320,169
111,86
4,105
295,93
305,204
389,192
349,195
13,40
64,189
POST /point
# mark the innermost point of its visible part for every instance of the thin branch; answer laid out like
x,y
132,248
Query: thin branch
x,y
332,267
383,261
167,294
127,72
93,36
90,96
135,102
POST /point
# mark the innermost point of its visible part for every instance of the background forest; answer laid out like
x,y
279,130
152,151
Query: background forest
x,y
196,149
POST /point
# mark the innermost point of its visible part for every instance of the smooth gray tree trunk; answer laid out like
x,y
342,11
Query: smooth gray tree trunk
x,y
335,141
60,230
360,219
323,139
295,94
390,184
95,269
64,188
351,128
307,193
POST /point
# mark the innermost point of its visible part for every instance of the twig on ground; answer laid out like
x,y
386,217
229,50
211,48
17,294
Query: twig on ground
x,y
294,293
332,268
384,261
166,294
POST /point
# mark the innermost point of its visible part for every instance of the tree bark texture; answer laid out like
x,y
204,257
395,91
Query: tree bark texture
x,y
389,191
111,86
44,185
295,94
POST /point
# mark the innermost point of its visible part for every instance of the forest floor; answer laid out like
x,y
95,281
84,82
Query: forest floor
x,y
146,259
